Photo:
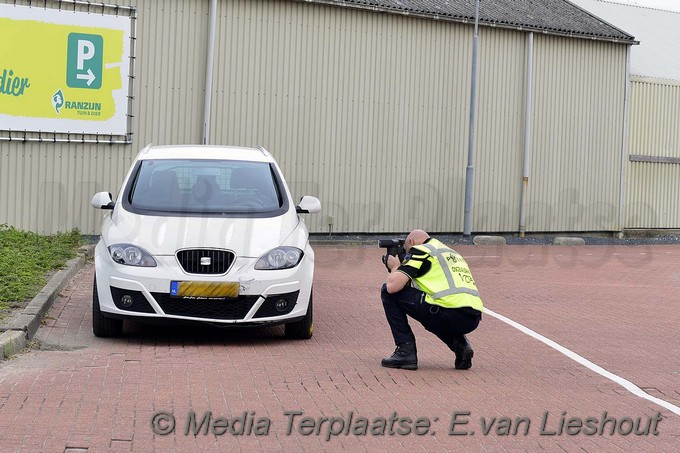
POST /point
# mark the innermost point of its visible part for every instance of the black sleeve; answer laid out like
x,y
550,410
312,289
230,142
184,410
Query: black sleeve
x,y
415,264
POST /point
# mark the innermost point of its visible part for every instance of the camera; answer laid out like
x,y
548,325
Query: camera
x,y
395,247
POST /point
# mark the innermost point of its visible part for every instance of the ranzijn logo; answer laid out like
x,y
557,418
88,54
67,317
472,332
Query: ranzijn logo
x,y
81,108
58,100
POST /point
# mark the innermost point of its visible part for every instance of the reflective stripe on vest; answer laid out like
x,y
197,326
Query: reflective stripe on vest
x,y
437,253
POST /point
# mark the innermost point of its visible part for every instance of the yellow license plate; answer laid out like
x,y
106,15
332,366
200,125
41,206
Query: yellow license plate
x,y
208,290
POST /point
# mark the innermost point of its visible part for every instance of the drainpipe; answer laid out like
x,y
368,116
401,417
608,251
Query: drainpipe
x,y
527,135
624,144
470,170
209,71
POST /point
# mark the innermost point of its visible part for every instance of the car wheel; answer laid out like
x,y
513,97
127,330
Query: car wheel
x,y
101,325
302,329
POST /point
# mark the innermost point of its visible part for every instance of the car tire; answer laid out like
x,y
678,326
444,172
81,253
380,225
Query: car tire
x,y
102,326
302,329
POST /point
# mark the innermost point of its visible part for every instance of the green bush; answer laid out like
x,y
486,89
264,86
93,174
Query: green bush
x,y
26,260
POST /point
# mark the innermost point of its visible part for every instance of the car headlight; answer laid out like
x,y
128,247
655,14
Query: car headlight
x,y
131,255
279,258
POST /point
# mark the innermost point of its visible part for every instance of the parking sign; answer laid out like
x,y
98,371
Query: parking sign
x,y
84,61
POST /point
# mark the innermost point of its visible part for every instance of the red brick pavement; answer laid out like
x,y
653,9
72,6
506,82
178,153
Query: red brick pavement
x,y
616,306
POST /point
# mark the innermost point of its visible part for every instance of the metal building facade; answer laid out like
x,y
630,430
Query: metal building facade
x,y
653,163
578,136
368,111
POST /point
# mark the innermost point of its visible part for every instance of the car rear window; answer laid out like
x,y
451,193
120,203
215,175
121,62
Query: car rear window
x,y
204,186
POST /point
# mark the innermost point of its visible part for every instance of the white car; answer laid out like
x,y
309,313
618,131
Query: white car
x,y
204,234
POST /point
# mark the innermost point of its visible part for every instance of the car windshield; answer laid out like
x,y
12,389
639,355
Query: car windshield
x,y
204,186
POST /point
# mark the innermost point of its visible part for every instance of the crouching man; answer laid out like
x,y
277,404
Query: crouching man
x,y
442,296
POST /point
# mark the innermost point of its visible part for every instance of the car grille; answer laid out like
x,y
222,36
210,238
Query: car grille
x,y
224,308
205,261
206,308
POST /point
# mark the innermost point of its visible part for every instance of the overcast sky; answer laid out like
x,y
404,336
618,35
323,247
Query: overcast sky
x,y
670,5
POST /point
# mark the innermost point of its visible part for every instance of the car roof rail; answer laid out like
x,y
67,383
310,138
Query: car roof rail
x,y
145,149
264,151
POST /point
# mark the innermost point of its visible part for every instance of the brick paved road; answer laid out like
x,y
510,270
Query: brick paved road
x,y
617,306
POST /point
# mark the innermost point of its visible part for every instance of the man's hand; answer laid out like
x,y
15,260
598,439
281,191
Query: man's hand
x,y
392,262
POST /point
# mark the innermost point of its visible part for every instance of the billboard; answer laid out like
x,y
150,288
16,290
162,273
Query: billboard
x,y
63,71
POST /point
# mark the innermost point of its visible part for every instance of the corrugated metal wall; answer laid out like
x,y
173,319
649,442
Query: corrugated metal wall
x,y
367,111
652,189
356,102
499,153
171,57
577,135
48,187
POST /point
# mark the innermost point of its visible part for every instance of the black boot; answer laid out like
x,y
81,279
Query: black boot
x,y
464,353
404,357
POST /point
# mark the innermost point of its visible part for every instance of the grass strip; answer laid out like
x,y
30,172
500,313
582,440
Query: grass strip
x,y
27,259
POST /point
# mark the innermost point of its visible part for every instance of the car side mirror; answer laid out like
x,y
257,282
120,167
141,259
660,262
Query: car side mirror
x,y
308,205
102,200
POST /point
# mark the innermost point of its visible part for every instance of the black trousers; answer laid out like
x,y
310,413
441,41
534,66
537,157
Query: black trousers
x,y
449,324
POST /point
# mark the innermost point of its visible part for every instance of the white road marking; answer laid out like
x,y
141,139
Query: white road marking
x,y
632,388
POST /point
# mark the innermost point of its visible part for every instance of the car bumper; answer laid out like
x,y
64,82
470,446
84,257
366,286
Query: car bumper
x,y
143,293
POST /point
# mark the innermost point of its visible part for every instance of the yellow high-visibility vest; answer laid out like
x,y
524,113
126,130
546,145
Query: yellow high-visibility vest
x,y
449,282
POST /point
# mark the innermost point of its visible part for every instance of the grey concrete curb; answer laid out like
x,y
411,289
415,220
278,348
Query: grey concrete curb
x,y
488,240
21,328
11,342
562,240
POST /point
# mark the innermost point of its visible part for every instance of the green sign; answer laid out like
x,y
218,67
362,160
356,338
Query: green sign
x,y
84,61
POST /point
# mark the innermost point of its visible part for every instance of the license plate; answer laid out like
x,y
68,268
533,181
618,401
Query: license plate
x,y
207,290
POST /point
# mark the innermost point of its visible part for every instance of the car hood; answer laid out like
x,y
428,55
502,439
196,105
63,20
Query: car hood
x,y
250,237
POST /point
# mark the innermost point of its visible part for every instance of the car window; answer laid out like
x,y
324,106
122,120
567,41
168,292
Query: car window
x,y
205,186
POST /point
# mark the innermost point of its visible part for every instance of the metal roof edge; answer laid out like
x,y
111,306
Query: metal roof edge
x,y
651,79
602,20
631,5
471,20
